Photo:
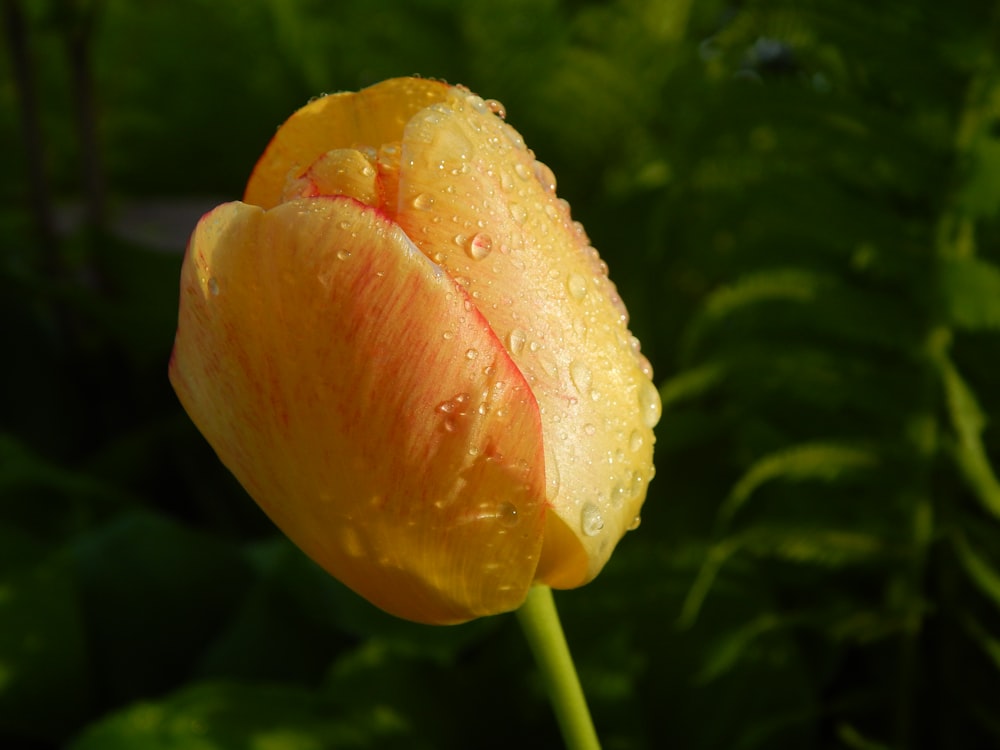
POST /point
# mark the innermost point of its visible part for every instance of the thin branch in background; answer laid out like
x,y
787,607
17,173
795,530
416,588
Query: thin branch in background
x,y
78,38
39,195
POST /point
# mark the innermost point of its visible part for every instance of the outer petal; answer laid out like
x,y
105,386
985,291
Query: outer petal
x,y
475,200
364,403
371,117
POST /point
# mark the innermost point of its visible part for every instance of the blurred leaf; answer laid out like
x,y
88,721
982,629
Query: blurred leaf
x,y
44,670
49,499
224,716
153,593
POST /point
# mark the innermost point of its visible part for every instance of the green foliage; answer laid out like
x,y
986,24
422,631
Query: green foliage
x,y
800,204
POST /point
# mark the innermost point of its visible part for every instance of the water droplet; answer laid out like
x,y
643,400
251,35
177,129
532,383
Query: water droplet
x,y
477,104
515,340
423,202
507,513
591,520
545,176
649,403
496,108
515,138
635,523
552,476
635,441
589,428
350,541
479,246
213,287
580,374
577,285
471,354
343,254
635,487
518,213
522,171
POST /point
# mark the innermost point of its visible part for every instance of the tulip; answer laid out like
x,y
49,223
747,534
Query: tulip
x,y
410,356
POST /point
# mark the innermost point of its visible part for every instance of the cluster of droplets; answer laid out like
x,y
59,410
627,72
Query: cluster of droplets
x,y
509,214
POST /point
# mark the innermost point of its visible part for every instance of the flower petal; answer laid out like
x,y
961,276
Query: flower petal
x,y
360,398
473,198
372,116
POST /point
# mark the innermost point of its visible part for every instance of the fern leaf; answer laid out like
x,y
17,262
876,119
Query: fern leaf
x,y
983,575
968,421
691,383
735,645
809,461
853,739
989,644
773,285
717,556
831,548
970,292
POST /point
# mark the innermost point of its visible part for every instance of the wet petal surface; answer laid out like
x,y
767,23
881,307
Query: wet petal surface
x,y
363,401
477,202
366,118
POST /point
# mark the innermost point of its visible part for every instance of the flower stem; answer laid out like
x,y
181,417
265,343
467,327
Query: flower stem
x,y
540,623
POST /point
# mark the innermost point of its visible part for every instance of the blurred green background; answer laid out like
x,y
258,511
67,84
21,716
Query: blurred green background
x,y
799,203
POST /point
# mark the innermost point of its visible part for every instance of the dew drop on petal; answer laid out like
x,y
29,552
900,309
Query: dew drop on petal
x,y
343,254
635,441
350,542
522,171
580,374
477,104
507,513
479,246
496,108
213,287
591,520
635,523
577,285
649,403
423,202
545,176
515,340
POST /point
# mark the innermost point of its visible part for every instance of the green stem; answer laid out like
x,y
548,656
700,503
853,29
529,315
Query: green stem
x,y
540,623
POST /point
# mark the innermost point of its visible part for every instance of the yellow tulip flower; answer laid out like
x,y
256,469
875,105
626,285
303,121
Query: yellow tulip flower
x,y
408,353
